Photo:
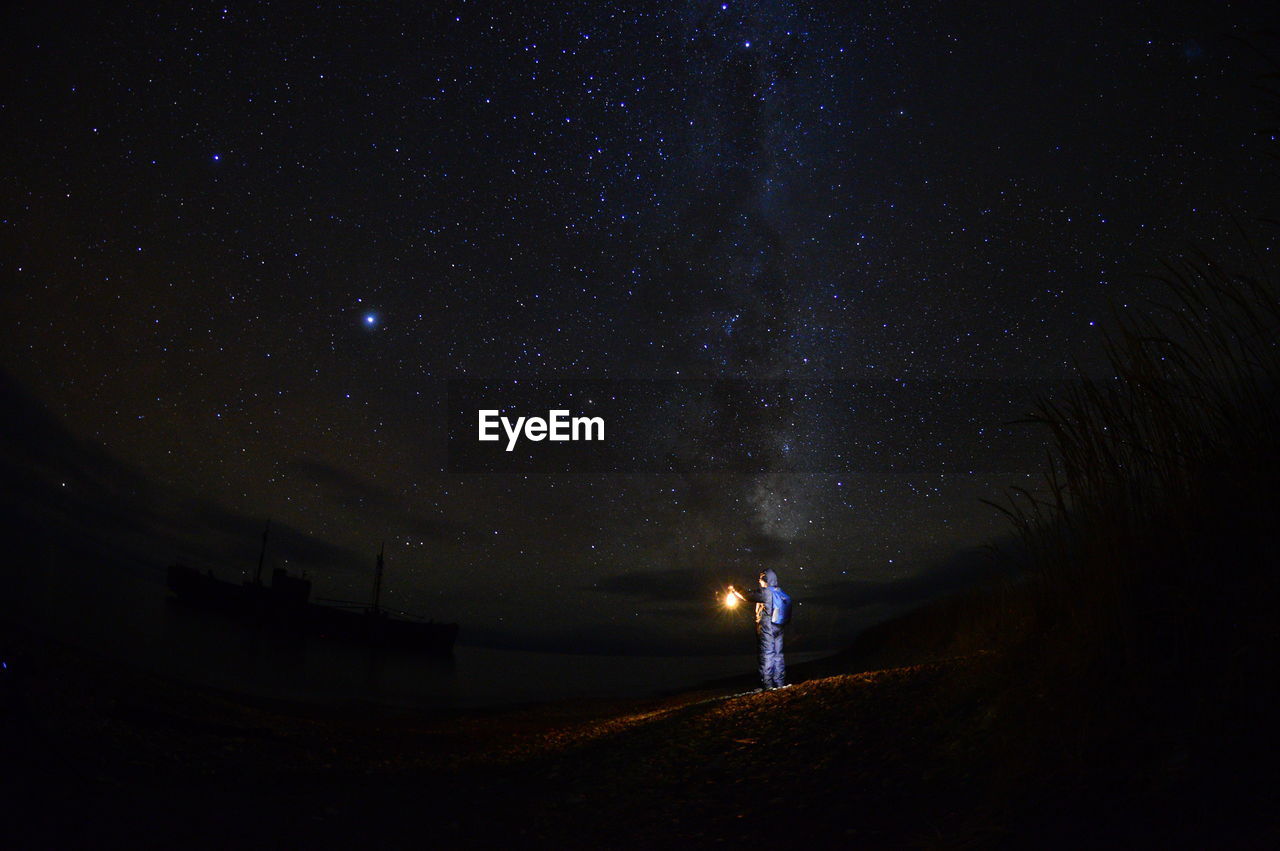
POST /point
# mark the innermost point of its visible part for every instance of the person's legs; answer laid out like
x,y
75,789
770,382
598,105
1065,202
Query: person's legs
x,y
777,665
765,640
772,670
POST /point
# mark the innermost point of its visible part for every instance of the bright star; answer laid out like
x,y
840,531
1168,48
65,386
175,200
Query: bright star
x,y
370,319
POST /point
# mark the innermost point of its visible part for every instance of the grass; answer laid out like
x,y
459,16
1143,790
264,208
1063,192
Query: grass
x,y
1152,582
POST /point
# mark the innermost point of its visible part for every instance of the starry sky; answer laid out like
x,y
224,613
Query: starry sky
x,y
248,247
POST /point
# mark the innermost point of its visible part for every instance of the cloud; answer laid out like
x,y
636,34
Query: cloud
x,y
958,571
354,492
61,488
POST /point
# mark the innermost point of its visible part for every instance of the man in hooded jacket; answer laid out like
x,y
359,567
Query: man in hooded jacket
x,y
773,669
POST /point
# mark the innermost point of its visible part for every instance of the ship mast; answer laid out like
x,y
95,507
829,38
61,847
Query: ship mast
x,y
262,555
377,578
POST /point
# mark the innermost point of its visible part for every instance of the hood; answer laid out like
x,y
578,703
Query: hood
x,y
770,578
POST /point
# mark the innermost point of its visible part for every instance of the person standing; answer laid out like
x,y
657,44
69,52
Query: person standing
x,y
773,609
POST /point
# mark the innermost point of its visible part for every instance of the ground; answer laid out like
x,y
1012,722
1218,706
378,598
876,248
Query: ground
x,y
930,755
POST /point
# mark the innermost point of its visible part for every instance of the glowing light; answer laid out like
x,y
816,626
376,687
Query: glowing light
x,y
732,598
370,319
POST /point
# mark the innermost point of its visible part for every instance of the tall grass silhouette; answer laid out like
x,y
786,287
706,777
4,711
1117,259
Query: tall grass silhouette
x,y
1158,466
1158,515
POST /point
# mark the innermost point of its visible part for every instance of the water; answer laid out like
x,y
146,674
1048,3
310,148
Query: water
x,y
124,613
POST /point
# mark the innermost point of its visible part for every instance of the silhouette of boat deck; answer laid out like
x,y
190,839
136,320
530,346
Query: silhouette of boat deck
x,y
285,605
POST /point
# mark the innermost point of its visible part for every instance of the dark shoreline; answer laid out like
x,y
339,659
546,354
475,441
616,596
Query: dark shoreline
x,y
944,754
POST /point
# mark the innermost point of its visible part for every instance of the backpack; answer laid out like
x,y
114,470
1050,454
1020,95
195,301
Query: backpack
x,y
781,608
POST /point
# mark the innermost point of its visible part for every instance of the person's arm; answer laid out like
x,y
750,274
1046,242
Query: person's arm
x,y
751,595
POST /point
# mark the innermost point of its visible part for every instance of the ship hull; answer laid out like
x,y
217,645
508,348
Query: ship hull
x,y
283,605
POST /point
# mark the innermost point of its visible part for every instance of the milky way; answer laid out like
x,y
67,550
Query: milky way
x,y
249,247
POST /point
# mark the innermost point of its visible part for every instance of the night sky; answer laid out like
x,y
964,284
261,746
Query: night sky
x,y
248,246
